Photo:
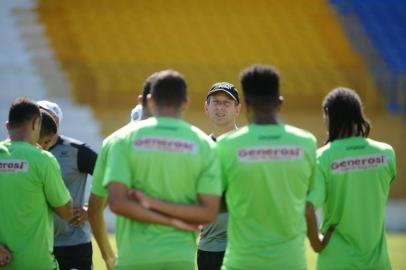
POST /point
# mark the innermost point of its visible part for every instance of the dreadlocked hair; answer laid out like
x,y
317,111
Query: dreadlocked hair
x,y
345,112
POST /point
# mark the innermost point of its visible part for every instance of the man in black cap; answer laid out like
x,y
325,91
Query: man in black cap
x,y
223,107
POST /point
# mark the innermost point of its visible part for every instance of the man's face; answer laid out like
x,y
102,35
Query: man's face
x,y
222,108
47,141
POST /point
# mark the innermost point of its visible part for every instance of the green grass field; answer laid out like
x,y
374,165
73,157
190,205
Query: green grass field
x,y
396,243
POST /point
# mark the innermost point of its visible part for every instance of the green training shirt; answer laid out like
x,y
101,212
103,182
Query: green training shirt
x,y
352,186
30,184
266,172
97,187
168,159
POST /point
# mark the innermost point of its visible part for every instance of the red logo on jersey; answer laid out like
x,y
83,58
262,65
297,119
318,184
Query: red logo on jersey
x,y
280,152
13,166
165,145
358,163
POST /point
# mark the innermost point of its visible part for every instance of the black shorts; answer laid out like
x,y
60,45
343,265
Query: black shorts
x,y
74,257
207,260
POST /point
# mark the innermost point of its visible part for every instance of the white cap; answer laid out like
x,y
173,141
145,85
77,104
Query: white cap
x,y
53,108
136,113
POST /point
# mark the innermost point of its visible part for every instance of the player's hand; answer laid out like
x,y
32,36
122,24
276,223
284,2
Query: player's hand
x,y
5,256
327,236
79,216
132,194
182,225
321,244
145,200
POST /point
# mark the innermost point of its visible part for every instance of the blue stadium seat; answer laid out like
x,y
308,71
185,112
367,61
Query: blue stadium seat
x,y
384,25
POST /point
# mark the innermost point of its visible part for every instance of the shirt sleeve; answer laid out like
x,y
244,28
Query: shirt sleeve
x,y
117,167
86,159
97,187
317,194
313,162
393,166
55,190
209,181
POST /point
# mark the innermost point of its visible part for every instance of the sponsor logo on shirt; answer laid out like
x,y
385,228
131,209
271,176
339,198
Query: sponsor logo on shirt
x,y
269,137
359,163
355,147
167,128
165,144
271,153
13,166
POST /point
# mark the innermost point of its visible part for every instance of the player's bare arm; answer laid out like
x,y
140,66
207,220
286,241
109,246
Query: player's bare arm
x,y
121,204
65,211
204,212
99,229
312,230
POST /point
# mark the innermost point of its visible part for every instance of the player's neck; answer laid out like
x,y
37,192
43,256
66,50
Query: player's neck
x,y
220,130
21,135
265,119
344,134
262,115
168,112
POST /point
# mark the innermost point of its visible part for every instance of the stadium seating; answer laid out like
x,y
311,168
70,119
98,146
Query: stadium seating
x,y
383,24
109,49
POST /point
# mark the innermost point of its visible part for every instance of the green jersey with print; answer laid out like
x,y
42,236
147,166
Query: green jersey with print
x,y
171,160
30,184
97,187
352,185
266,172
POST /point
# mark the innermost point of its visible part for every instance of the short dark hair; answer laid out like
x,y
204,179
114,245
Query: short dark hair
x,y
169,89
260,84
345,113
147,88
48,124
22,110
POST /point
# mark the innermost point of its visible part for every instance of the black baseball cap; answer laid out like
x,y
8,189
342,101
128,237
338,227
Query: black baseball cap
x,y
225,87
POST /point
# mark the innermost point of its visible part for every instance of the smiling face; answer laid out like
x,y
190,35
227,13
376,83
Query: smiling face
x,y
222,109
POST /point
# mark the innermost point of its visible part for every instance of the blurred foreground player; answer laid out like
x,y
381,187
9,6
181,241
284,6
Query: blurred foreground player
x,y
172,161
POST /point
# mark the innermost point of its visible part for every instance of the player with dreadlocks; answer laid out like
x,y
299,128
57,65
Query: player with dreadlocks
x,y
343,109
352,183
